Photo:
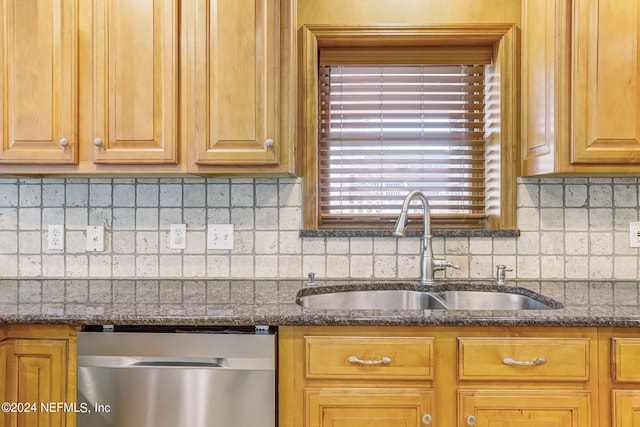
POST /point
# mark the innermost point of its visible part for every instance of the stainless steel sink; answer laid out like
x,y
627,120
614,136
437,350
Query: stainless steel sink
x,y
394,299
402,299
478,300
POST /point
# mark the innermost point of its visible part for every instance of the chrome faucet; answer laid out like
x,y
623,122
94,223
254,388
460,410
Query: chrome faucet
x,y
428,264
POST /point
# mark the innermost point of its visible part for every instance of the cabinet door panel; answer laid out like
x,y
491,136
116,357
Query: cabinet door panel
x,y
39,77
626,408
135,55
606,81
36,369
544,21
368,407
236,84
518,409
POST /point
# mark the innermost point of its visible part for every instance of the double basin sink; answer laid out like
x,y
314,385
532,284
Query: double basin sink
x,y
407,297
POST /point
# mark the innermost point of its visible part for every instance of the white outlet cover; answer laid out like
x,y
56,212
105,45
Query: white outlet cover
x,y
220,236
178,236
95,238
55,238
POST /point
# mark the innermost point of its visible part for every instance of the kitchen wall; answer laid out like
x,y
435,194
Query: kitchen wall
x,y
572,227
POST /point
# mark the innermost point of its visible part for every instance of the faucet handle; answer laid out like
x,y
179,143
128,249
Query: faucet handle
x,y
441,264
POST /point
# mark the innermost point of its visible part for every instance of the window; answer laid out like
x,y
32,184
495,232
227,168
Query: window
x,y
387,129
397,114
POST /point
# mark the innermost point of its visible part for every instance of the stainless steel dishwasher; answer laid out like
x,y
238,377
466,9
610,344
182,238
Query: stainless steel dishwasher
x,y
177,377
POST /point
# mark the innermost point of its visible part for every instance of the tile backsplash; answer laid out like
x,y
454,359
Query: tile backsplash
x,y
570,228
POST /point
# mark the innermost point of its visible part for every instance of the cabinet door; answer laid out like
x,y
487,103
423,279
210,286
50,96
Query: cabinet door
x,y
606,81
519,409
236,85
544,40
328,407
626,408
38,81
135,74
35,372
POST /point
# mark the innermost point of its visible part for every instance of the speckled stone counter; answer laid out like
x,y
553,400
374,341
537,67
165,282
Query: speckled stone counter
x,y
272,302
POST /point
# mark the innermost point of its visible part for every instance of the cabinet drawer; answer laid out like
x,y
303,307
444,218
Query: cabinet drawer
x,y
390,358
626,355
524,359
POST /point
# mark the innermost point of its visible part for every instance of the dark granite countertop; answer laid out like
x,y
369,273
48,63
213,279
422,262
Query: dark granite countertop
x,y
272,302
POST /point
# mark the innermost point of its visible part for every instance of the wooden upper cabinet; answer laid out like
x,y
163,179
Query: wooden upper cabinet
x,y
38,84
606,81
239,84
135,75
581,91
110,86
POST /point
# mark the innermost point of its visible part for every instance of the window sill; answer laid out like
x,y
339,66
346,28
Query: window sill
x,y
438,232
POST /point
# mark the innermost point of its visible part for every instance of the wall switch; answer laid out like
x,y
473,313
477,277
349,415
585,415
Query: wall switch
x,y
220,236
55,238
634,234
95,238
178,236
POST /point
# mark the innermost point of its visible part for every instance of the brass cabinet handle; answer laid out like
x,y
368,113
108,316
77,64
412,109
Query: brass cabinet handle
x,y
356,360
538,361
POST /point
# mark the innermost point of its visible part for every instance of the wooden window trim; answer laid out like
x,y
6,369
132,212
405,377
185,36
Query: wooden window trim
x,y
502,157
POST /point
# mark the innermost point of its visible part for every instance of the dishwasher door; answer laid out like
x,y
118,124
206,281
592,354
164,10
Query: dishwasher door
x,y
175,380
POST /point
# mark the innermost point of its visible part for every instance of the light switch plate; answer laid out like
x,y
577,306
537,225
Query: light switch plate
x,y
220,236
95,238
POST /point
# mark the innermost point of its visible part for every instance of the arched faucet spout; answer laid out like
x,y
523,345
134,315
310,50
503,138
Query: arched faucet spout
x,y
427,263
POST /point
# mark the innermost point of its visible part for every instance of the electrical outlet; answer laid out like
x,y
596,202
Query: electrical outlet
x,y
95,238
220,236
634,234
55,238
178,236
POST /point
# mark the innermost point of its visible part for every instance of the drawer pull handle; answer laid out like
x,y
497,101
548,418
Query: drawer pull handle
x,y
538,361
356,360
427,419
471,420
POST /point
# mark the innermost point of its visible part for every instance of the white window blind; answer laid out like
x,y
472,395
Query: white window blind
x,y
385,130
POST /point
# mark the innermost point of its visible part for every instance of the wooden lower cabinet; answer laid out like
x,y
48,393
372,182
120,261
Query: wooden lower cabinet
x,y
626,408
372,407
438,376
621,383
509,408
38,366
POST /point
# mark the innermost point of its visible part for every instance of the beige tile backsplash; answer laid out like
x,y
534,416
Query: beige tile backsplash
x,y
570,227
